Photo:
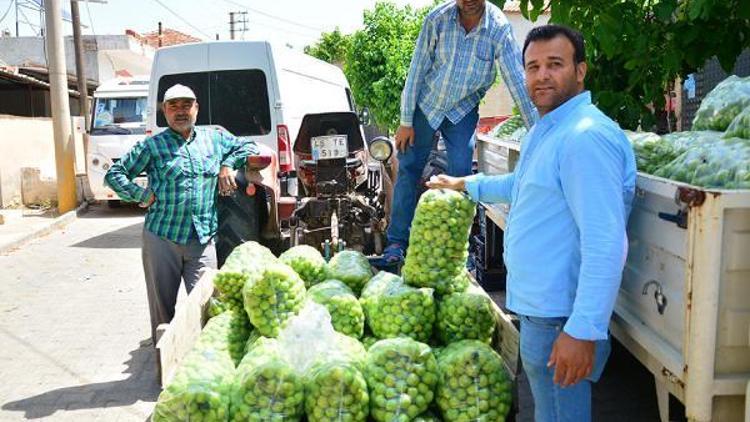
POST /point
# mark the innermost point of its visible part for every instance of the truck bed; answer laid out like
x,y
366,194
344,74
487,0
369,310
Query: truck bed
x,y
689,251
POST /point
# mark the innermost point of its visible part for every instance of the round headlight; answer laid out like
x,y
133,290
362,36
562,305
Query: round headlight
x,y
381,149
95,161
105,166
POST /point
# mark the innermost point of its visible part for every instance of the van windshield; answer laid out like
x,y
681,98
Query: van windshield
x,y
236,100
119,116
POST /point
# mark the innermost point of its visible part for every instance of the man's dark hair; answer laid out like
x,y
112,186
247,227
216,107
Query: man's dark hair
x,y
548,32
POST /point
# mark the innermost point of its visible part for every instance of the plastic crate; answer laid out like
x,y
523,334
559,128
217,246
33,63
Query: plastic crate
x,y
491,279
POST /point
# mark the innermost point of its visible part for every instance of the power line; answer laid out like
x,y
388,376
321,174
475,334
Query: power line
x,y
212,27
91,19
10,4
260,12
20,10
311,28
182,19
308,36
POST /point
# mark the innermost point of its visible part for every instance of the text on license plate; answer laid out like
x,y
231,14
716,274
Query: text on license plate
x,y
329,147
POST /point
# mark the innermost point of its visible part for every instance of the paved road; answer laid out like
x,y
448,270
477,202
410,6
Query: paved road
x,y
74,324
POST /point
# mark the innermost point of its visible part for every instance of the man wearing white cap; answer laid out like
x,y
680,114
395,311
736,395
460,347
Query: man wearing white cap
x,y
187,167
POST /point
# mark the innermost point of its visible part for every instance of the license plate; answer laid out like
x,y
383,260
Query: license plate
x,y
329,147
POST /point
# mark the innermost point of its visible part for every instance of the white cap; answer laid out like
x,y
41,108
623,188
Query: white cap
x,y
178,91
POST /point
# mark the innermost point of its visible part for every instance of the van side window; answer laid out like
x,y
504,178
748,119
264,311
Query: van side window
x,y
236,100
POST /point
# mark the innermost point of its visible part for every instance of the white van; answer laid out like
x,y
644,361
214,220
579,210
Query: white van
x,y
252,89
118,121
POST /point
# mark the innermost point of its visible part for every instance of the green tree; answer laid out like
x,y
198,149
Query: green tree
x,y
636,48
378,59
332,47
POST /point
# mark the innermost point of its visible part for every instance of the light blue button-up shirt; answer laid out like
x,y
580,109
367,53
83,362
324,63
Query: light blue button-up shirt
x,y
451,69
570,196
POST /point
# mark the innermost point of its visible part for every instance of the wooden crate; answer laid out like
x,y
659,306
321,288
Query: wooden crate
x,y
175,339
506,341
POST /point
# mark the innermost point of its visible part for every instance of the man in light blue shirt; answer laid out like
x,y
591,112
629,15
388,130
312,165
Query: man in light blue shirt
x,y
565,241
452,67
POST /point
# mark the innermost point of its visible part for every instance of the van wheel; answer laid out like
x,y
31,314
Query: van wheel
x,y
239,219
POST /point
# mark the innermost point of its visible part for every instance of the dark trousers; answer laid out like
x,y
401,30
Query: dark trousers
x,y
459,143
165,265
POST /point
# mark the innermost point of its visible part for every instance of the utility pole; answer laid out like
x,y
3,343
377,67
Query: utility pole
x,y
243,21
83,100
231,25
160,34
233,22
64,152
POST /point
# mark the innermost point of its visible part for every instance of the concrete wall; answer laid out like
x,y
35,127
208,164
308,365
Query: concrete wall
x,y
29,143
122,52
31,51
498,101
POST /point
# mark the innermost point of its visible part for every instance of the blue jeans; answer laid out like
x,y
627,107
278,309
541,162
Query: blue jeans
x,y
553,403
459,143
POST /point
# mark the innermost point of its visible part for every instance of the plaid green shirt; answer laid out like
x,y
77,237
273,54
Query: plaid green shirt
x,y
183,175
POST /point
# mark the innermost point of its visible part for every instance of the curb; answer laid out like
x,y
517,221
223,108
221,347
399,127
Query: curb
x,y
56,224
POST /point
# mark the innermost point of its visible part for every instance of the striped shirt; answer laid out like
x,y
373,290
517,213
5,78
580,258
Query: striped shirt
x,y
183,175
451,70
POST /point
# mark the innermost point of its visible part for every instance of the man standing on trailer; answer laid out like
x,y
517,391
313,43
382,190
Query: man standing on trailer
x,y
185,166
452,68
565,242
